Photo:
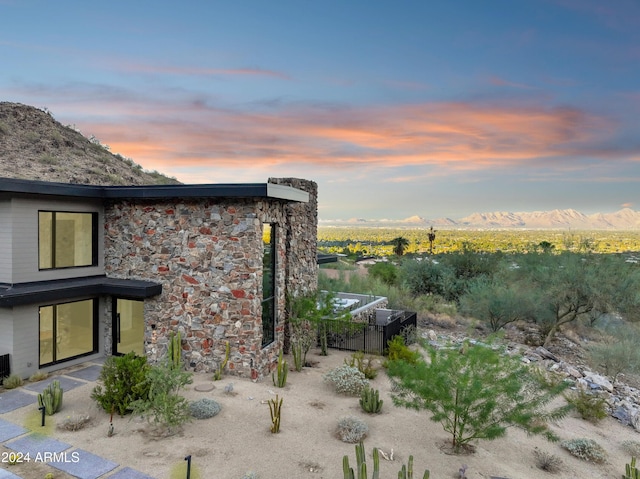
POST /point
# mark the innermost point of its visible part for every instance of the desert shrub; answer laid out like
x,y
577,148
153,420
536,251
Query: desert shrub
x,y
547,461
123,382
347,380
351,429
74,422
475,392
591,407
631,447
13,381
619,354
163,405
38,376
204,408
250,475
385,272
585,449
364,364
398,350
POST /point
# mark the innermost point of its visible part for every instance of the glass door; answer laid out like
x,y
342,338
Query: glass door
x,y
128,327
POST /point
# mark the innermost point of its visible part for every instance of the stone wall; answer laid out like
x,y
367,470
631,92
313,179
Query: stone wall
x,y
208,256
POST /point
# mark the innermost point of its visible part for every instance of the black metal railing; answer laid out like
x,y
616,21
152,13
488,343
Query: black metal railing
x,y
369,338
5,367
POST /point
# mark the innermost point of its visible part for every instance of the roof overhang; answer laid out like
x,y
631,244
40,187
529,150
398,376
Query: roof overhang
x,y
62,289
154,192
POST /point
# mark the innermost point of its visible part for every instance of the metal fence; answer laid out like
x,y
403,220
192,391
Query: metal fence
x,y
5,367
369,338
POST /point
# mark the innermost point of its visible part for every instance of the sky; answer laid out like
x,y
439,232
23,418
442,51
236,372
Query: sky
x,y
437,108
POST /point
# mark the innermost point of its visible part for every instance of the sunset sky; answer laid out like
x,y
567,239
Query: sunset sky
x,y
395,108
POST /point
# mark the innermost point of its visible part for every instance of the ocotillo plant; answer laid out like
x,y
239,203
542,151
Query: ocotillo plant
x,y
51,398
275,407
217,376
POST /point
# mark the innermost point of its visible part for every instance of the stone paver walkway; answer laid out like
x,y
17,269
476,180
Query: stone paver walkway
x,y
60,455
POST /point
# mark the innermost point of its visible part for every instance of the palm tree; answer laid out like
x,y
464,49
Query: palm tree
x,y
399,245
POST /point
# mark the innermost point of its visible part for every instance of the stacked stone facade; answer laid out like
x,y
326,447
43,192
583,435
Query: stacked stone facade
x,y
208,253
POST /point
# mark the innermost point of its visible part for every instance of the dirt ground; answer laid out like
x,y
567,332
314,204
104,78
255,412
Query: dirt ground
x,y
238,440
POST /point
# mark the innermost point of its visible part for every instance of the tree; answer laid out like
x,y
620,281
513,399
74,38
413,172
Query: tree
x,y
432,238
400,244
572,286
497,302
475,392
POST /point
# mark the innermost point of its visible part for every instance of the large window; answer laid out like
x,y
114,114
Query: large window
x,y
67,239
268,284
68,330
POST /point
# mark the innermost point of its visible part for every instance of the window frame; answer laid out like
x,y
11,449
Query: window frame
x,y
268,304
94,239
94,333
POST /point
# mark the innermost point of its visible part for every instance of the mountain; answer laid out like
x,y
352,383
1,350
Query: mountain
x,y
34,146
625,219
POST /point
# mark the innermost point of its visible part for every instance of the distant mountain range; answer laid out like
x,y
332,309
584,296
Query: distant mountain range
x,y
625,219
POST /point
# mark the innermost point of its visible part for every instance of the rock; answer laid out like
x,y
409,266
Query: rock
x,y
573,372
635,421
431,335
546,354
597,381
204,388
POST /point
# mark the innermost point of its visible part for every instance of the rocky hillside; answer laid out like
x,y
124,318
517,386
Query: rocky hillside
x,y
34,146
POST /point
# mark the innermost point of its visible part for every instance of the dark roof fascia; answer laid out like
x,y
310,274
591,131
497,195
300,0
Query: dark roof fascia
x,y
61,289
154,192
324,258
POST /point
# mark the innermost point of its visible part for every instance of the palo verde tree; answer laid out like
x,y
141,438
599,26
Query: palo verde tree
x,y
574,286
476,392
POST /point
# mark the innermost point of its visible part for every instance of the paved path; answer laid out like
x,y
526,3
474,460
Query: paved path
x,y
59,455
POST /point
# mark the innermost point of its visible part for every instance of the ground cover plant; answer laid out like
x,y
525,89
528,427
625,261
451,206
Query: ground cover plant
x,y
475,392
347,380
585,449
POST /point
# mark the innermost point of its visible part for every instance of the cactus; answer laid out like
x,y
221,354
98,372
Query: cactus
x,y
275,407
175,350
217,376
280,380
631,472
361,466
51,398
370,401
405,473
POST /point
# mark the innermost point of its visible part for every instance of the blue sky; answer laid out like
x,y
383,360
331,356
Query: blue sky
x,y
439,108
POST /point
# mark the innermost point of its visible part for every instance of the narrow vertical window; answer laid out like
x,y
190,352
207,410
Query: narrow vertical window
x,y
268,284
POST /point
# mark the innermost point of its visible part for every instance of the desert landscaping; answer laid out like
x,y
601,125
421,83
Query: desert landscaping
x,y
238,442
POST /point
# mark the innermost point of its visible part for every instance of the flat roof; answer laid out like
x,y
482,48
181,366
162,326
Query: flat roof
x,y
221,190
61,289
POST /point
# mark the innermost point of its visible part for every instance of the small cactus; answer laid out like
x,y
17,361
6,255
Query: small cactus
x,y
280,376
361,468
51,398
370,400
631,472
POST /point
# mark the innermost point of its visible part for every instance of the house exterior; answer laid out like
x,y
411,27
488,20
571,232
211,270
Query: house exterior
x,y
88,271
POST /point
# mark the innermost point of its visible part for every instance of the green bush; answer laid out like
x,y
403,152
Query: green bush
x,y
347,380
591,407
385,272
163,405
620,354
397,350
370,401
585,449
123,382
475,392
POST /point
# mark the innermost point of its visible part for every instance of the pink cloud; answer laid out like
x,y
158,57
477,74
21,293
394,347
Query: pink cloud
x,y
458,136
